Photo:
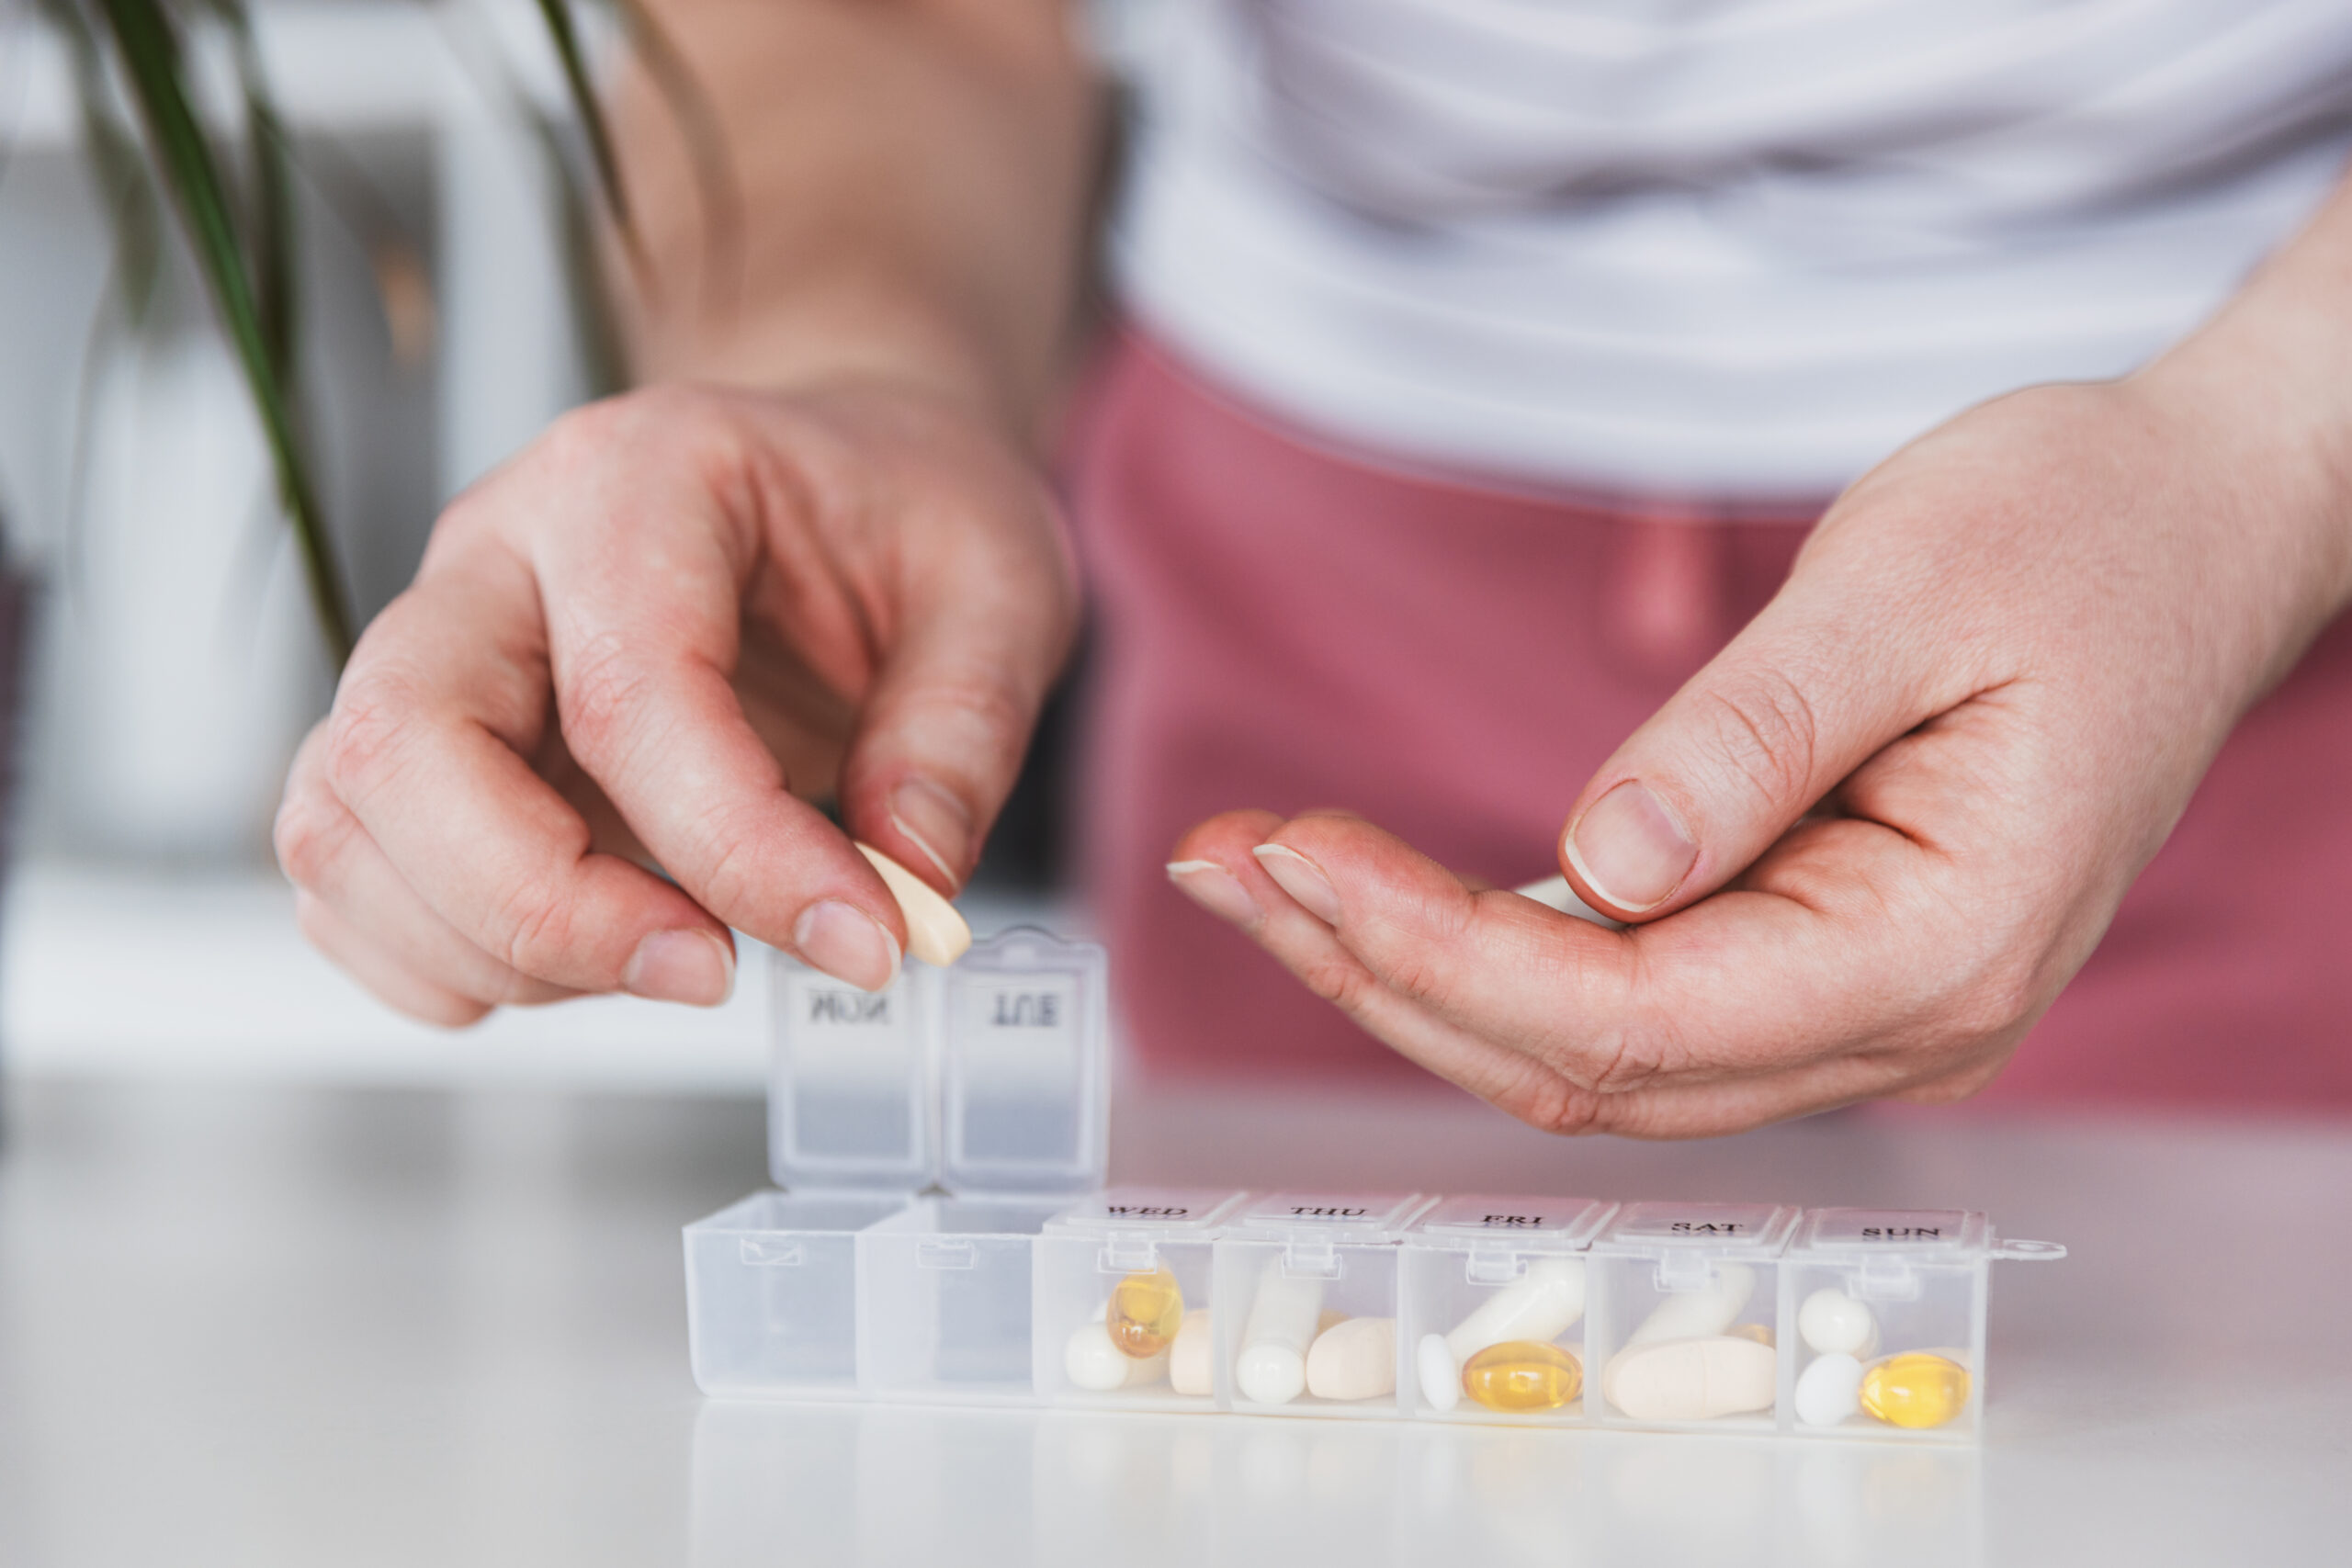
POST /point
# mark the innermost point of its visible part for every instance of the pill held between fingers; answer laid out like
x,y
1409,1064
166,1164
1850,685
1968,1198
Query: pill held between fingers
x,y
1354,1360
1830,1389
1832,1320
1701,1313
1691,1380
1543,1303
935,932
1191,1359
1096,1364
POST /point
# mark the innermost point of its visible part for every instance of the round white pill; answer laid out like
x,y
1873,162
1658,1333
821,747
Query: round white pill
x,y
1833,1322
1440,1379
1093,1363
1829,1390
1270,1374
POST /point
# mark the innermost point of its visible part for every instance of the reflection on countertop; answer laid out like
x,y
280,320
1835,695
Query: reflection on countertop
x,y
899,1484
252,1325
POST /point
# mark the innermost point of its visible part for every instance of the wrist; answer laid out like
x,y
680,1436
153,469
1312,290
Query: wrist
x,y
850,337
2264,390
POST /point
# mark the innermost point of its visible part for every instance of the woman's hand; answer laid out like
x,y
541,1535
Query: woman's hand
x,y
1868,844
654,637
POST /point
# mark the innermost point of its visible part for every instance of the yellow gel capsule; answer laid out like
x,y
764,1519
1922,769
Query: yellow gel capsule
x,y
1521,1375
1145,1311
1756,1331
1915,1390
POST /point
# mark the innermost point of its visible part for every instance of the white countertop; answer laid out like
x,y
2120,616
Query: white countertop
x,y
326,1326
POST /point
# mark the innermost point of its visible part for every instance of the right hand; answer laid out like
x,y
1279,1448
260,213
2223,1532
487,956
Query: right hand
x,y
652,639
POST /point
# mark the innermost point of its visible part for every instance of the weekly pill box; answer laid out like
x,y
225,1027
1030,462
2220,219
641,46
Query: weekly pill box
x,y
941,1235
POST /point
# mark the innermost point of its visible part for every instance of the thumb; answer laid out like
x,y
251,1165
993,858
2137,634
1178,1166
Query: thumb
x,y
1821,680
944,728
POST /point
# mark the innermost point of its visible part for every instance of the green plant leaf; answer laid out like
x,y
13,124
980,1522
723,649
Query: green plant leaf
x,y
150,55
566,38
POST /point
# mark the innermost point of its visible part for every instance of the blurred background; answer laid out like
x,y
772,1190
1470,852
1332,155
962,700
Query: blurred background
x,y
167,660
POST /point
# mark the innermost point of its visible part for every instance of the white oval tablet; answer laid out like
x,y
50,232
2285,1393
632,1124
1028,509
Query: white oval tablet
x,y
1191,1359
1829,1390
1833,1322
1099,1366
1354,1360
1691,1379
935,932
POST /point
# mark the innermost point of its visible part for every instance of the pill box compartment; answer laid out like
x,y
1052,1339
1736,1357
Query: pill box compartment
x,y
1886,1317
985,1079
1123,1281
1682,1321
771,1294
944,1301
1291,1269
1490,1274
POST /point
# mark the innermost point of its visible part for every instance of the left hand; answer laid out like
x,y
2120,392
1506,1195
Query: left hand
x,y
1867,845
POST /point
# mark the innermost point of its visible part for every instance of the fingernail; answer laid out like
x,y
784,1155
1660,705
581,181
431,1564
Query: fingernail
x,y
937,824
847,944
1215,889
1630,849
691,966
1302,879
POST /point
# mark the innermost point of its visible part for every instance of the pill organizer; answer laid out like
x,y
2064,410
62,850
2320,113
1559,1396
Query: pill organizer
x,y
941,1235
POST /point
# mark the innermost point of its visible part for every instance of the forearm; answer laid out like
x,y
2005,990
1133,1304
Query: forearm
x,y
2266,387
913,178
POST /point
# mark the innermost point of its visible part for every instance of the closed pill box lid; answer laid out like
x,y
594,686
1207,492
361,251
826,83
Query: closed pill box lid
x,y
1559,1224
1725,1230
1932,1234
1167,1212
1339,1217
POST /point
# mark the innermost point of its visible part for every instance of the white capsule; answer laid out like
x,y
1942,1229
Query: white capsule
x,y
935,932
1832,1321
1353,1359
1830,1389
1700,1314
1099,1366
1691,1380
1191,1356
1272,1367
1542,1305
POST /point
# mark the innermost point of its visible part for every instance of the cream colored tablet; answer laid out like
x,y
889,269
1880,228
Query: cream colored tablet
x,y
935,932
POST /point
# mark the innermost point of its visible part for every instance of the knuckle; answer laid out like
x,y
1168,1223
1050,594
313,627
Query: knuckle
x,y
532,929
1768,733
1342,983
367,733
308,837
603,687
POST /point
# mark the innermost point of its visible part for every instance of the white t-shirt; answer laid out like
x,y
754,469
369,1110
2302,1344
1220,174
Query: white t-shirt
x,y
1706,248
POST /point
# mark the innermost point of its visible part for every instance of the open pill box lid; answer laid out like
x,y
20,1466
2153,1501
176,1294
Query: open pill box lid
x,y
989,1075
1717,1230
1155,1213
1341,1218
1920,1235
1481,1222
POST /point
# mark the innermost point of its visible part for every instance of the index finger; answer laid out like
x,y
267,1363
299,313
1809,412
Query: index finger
x,y
643,586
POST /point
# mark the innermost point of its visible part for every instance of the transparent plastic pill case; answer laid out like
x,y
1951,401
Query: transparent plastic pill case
x,y
944,1236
